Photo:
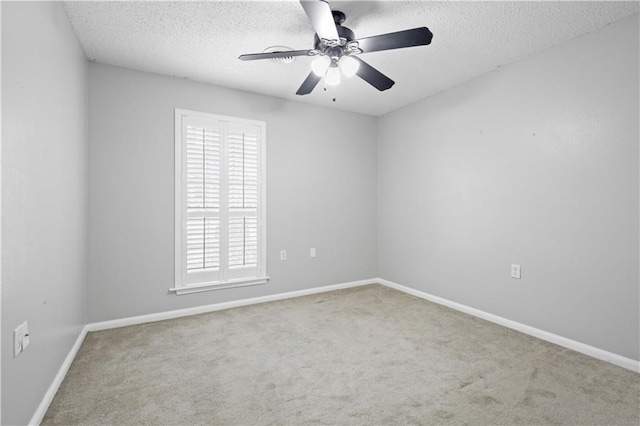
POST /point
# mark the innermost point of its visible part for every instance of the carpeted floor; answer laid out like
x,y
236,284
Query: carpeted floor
x,y
369,355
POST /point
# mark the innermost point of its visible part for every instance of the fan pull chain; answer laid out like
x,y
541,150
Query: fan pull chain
x,y
333,88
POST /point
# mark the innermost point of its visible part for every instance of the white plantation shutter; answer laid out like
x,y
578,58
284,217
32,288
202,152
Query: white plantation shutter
x,y
203,168
220,198
243,190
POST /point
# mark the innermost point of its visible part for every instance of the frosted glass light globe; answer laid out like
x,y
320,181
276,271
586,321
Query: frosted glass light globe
x,y
349,66
333,76
320,65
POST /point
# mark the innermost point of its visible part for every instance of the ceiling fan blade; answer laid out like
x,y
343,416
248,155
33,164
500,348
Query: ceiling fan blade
x,y
319,12
309,84
273,55
373,76
407,38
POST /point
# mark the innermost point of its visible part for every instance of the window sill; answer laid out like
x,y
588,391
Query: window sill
x,y
197,288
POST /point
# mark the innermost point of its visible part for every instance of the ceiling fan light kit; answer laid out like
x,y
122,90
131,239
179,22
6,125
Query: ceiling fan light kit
x,y
336,49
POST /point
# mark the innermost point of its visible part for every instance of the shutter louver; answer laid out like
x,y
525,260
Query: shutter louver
x,y
243,242
203,243
243,171
203,169
203,199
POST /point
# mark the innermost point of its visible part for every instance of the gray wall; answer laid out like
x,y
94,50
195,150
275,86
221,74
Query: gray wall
x,y
321,191
536,164
44,160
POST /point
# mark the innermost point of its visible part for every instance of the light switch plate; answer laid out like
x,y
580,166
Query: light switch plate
x,y
515,271
312,252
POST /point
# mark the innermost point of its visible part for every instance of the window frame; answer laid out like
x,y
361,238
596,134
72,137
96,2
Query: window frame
x,y
181,285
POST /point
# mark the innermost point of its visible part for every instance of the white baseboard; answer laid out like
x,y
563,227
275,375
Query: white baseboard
x,y
160,316
592,351
57,381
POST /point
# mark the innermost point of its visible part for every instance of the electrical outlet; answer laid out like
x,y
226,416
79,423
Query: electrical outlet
x,y
20,338
283,255
515,271
312,252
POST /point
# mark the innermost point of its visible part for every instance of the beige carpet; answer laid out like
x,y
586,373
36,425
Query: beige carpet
x,y
369,355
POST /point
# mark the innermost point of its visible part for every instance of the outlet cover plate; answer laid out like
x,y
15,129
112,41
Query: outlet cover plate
x,y
20,338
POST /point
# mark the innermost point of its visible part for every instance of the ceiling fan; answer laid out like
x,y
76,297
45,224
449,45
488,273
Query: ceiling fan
x,y
336,49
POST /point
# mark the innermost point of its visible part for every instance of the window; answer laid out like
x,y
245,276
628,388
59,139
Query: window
x,y
220,202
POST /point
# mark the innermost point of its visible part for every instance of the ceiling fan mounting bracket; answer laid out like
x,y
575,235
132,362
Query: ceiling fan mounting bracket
x,y
338,17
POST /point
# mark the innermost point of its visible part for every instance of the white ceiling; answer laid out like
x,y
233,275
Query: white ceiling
x,y
202,41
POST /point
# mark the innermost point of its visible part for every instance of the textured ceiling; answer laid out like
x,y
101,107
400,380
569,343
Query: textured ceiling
x,y
202,41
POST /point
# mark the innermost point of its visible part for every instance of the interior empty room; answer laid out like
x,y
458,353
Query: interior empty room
x,y
312,212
